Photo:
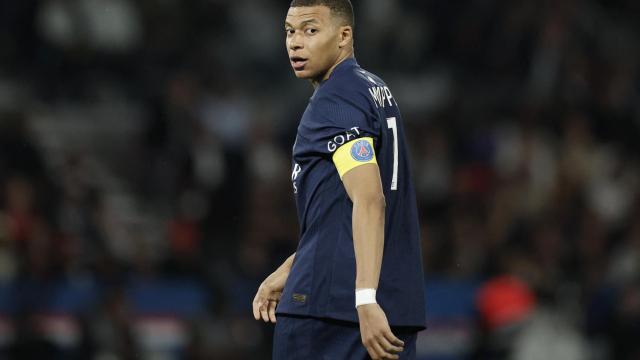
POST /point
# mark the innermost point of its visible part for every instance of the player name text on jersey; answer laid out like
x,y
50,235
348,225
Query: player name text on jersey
x,y
381,95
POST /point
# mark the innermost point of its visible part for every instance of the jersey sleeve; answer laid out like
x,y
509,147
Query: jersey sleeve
x,y
338,120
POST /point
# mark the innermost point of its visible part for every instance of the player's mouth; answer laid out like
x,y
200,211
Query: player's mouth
x,y
298,63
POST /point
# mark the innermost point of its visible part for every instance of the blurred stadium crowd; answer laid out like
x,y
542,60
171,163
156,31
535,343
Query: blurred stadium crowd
x,y
145,163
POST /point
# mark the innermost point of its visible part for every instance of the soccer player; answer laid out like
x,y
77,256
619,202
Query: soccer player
x,y
354,288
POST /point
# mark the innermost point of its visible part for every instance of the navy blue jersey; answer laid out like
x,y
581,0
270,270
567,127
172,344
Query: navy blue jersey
x,y
352,104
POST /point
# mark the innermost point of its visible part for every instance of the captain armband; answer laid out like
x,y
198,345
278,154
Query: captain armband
x,y
353,154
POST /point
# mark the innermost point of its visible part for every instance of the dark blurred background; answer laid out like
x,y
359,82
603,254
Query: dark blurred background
x,y
145,173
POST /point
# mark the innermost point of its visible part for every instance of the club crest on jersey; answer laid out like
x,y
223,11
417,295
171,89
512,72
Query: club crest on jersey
x,y
361,151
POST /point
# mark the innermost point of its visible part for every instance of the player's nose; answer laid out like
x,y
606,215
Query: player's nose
x,y
295,42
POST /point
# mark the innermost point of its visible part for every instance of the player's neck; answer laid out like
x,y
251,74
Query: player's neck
x,y
317,81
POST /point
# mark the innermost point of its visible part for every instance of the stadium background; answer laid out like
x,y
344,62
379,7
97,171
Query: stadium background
x,y
145,173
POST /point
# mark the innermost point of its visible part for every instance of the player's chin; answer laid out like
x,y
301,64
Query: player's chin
x,y
303,73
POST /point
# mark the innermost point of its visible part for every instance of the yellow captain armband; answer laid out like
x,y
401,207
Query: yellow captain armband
x,y
353,154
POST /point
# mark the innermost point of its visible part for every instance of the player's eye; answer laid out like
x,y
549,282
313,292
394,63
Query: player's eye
x,y
289,31
311,31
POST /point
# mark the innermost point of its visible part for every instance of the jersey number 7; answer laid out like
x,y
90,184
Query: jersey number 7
x,y
391,123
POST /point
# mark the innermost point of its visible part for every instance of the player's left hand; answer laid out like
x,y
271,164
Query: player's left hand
x,y
268,296
376,334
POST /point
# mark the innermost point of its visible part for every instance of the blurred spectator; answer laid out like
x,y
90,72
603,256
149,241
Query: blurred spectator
x,y
111,328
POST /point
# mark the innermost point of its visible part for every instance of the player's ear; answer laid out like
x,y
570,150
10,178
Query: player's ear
x,y
346,35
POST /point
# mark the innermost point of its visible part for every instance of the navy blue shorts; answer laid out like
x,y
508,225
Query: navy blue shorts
x,y
307,338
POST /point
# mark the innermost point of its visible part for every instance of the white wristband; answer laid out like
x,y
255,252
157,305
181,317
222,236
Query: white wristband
x,y
365,296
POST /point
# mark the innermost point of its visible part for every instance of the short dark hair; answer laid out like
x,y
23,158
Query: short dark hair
x,y
341,8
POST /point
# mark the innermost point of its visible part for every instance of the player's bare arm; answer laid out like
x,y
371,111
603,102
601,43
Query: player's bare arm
x,y
364,187
269,292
